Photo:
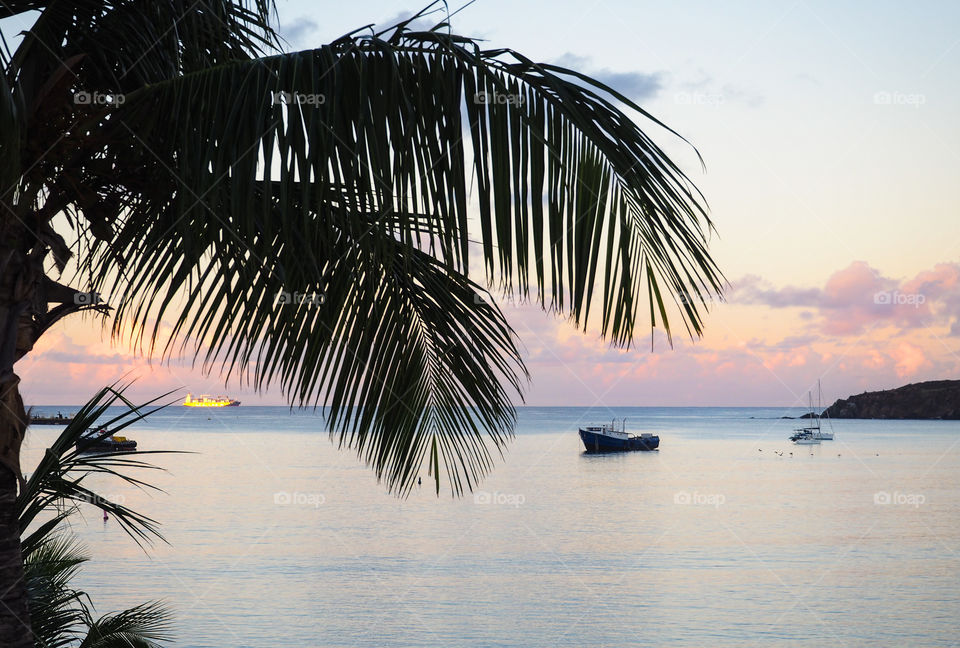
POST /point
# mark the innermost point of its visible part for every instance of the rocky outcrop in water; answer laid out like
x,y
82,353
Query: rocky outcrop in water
x,y
936,399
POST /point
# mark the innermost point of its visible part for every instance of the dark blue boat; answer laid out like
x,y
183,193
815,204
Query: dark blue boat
x,y
607,438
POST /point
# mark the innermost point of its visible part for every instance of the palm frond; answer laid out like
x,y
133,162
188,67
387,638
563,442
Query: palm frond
x,y
213,182
99,48
363,196
143,626
11,133
131,42
57,610
59,476
60,614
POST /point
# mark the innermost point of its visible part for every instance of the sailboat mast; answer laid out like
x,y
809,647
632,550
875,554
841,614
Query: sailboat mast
x,y
819,403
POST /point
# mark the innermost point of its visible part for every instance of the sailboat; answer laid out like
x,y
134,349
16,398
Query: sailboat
x,y
813,434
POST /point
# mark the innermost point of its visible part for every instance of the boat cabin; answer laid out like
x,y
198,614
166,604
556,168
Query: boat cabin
x,y
608,430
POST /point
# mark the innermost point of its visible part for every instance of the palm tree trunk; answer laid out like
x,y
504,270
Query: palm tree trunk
x,y
15,629
17,288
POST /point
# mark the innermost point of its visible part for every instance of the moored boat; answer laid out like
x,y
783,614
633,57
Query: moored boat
x,y
209,401
101,440
806,436
610,438
59,419
812,434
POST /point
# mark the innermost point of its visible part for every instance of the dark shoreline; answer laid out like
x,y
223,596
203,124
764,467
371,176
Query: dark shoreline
x,y
932,400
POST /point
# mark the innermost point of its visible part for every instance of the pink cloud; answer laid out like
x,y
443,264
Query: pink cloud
x,y
909,359
853,338
858,297
850,338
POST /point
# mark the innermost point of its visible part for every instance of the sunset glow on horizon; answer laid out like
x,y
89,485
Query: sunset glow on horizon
x,y
831,147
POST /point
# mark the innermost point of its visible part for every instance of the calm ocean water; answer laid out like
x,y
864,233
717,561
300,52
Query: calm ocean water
x,y
277,539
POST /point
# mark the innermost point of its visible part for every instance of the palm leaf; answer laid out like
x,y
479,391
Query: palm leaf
x,y
112,47
143,626
11,115
57,610
204,199
60,615
60,474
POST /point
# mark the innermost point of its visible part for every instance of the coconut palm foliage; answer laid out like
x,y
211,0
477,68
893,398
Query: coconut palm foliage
x,y
309,219
206,182
57,491
326,221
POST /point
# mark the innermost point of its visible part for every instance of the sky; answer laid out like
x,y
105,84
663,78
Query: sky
x,y
831,146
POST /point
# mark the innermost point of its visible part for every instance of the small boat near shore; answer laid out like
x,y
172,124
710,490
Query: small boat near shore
x,y
95,441
59,419
610,438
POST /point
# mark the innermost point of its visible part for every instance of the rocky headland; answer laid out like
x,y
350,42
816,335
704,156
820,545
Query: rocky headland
x,y
936,399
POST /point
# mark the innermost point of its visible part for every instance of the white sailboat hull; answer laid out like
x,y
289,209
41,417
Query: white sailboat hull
x,y
812,434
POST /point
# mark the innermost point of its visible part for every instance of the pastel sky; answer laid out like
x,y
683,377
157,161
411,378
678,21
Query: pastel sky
x,y
832,149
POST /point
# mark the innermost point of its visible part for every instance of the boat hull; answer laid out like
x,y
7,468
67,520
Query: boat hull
x,y
50,420
594,442
810,436
107,446
209,401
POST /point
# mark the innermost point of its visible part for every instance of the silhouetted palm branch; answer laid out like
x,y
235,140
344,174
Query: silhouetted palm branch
x,y
143,626
200,198
60,476
61,615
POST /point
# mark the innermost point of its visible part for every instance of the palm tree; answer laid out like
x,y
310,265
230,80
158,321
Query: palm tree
x,y
326,220
62,616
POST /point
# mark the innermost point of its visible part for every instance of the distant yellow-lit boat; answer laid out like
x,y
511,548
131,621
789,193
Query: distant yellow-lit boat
x,y
208,401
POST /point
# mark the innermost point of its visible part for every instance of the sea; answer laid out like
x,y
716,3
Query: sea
x,y
728,535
